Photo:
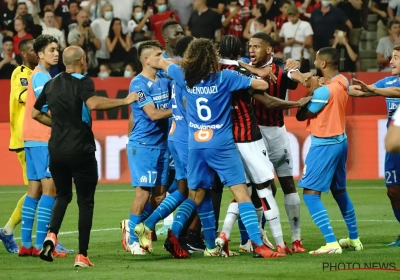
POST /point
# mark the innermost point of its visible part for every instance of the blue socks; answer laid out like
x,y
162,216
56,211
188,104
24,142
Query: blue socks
x,y
249,218
349,216
166,207
183,214
244,236
207,218
320,216
134,220
397,214
147,211
28,217
43,219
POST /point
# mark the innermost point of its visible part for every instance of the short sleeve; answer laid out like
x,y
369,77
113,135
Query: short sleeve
x,y
381,47
393,4
143,93
396,117
381,83
39,79
319,100
177,74
131,25
86,89
236,81
308,29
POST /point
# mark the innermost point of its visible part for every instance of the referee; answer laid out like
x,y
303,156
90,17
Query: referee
x,y
70,97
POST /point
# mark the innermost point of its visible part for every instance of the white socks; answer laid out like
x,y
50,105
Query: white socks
x,y
231,216
292,206
271,213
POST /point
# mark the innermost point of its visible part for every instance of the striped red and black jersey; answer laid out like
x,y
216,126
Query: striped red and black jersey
x,y
245,127
274,117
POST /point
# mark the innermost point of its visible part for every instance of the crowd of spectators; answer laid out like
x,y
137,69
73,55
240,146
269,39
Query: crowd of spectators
x,y
110,30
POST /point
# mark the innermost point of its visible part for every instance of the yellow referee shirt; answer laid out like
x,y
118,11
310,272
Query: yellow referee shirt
x,y
19,86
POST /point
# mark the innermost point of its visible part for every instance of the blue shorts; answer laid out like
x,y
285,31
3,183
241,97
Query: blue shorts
x,y
179,152
148,166
325,168
225,162
37,163
392,169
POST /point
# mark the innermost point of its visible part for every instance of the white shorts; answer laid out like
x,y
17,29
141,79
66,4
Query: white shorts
x,y
278,146
256,162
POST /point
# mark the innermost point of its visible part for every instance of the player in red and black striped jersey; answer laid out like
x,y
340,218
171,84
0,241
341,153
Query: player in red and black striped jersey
x,y
273,129
251,147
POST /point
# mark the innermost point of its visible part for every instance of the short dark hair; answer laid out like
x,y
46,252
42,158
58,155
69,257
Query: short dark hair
x,y
264,37
42,42
72,2
284,2
182,44
22,3
167,24
230,47
148,45
391,23
262,20
22,44
7,39
396,48
332,55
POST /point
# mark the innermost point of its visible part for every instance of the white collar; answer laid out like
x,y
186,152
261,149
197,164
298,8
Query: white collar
x,y
268,63
2,55
228,62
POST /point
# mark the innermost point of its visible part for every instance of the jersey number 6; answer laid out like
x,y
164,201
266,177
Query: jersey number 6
x,y
203,109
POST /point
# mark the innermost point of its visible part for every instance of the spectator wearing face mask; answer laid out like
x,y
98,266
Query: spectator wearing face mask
x,y
101,27
162,14
324,21
138,26
130,71
118,44
104,71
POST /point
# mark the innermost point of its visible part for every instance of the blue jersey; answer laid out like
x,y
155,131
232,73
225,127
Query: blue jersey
x,y
39,79
179,126
209,107
391,103
145,131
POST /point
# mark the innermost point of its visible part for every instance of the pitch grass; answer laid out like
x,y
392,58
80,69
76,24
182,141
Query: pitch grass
x,y
376,223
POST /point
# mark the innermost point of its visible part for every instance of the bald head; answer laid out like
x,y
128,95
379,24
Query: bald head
x,y
72,55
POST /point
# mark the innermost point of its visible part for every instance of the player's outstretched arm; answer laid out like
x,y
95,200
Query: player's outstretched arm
x,y
355,91
265,72
258,84
373,90
274,102
156,114
103,103
392,139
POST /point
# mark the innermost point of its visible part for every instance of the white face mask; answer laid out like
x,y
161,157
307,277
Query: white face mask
x,y
325,3
108,15
232,9
103,75
127,74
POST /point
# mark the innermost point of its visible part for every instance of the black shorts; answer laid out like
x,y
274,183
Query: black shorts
x,y
81,167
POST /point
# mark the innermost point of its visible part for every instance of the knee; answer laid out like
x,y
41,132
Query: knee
x,y
157,199
394,195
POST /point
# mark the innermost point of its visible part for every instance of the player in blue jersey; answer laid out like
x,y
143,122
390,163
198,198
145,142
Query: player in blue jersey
x,y
147,146
211,145
388,88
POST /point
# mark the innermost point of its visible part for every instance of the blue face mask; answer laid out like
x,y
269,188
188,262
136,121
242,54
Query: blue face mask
x,y
127,74
103,75
108,15
162,8
139,15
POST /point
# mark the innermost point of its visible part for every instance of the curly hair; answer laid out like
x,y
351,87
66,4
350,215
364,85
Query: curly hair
x,y
42,42
200,60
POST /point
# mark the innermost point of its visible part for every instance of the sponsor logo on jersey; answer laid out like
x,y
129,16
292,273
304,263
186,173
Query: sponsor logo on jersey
x,y
206,126
142,96
203,135
143,179
24,82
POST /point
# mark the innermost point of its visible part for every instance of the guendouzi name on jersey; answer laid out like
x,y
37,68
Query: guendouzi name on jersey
x,y
209,107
